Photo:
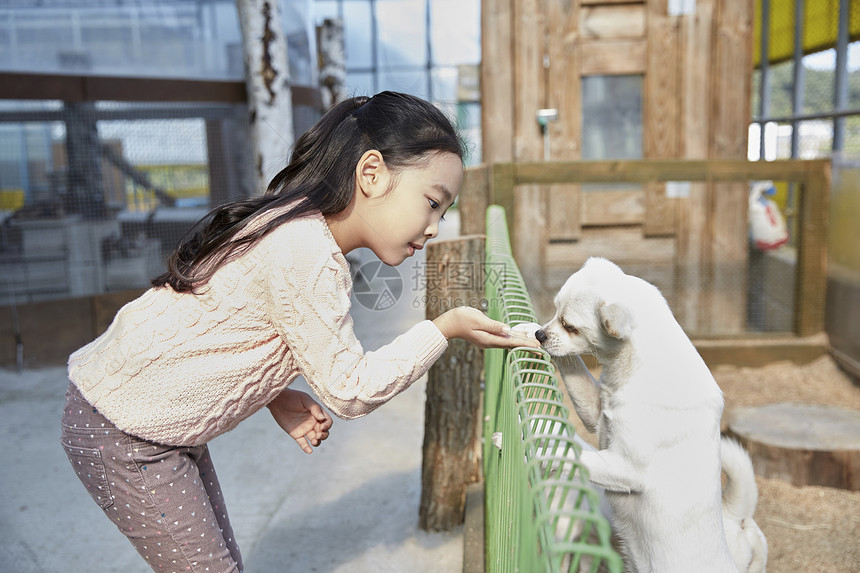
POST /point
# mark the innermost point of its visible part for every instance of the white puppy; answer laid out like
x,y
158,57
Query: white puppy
x,y
656,411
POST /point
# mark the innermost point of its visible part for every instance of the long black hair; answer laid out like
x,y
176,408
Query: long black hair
x,y
319,177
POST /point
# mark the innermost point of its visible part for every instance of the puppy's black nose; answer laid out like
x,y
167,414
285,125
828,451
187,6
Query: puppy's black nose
x,y
541,336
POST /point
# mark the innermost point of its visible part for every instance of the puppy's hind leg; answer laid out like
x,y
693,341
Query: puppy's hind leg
x,y
583,392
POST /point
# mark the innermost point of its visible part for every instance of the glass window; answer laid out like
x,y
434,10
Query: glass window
x,y
323,9
854,74
445,81
170,39
819,71
387,44
781,80
40,48
402,32
300,61
612,117
408,81
108,46
469,126
358,28
360,84
455,32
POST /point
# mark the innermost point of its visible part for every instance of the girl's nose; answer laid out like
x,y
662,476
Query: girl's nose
x,y
432,230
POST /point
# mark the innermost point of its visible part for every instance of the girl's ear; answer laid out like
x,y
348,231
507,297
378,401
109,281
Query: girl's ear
x,y
371,174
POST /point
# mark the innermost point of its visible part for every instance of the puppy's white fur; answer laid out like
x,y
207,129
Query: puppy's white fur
x,y
656,411
746,541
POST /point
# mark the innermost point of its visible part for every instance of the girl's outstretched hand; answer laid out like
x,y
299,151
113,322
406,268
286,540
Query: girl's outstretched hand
x,y
472,325
301,417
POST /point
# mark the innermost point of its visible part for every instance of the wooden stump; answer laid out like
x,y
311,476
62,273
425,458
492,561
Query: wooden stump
x,y
802,444
452,420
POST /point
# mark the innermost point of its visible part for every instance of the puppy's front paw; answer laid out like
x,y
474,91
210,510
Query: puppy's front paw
x,y
525,330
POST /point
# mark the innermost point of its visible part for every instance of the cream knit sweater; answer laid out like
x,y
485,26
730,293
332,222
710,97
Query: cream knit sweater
x,y
180,369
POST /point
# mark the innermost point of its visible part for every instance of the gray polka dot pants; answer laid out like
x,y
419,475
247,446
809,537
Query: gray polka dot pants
x,y
165,499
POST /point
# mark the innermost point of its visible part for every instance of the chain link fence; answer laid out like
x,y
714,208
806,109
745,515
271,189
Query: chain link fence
x,y
94,196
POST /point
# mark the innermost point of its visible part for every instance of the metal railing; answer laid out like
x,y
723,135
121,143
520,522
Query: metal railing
x,y
541,513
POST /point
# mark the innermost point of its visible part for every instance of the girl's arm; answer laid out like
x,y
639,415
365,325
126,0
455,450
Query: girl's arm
x,y
308,302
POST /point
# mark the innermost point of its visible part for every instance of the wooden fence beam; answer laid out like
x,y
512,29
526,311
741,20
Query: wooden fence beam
x,y
647,170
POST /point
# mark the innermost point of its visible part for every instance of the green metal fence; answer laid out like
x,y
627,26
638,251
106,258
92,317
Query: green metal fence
x,y
541,514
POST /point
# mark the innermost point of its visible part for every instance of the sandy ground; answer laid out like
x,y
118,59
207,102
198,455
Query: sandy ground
x,y
815,529
809,529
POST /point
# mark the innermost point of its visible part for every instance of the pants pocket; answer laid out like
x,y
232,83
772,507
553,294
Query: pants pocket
x,y
88,464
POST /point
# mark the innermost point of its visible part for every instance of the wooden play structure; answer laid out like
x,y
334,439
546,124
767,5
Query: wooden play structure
x,y
676,213
695,70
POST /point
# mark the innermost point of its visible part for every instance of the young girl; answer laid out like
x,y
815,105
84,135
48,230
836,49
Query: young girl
x,y
258,294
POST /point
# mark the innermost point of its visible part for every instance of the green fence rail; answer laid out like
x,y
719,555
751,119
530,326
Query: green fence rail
x,y
541,513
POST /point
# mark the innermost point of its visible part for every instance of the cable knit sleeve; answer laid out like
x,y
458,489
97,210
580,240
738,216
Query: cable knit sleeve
x,y
309,304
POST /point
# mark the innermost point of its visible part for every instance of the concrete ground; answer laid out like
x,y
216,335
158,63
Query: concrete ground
x,y
352,506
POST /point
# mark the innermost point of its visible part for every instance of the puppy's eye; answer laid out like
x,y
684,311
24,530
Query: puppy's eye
x,y
569,328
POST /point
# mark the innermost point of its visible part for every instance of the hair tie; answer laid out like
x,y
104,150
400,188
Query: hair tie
x,y
358,103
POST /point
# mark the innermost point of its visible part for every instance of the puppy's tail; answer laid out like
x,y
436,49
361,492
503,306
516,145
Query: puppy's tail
x,y
741,494
739,502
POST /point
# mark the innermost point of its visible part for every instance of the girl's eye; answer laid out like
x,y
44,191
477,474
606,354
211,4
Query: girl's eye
x,y
434,204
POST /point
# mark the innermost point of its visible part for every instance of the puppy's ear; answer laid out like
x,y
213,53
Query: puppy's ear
x,y
616,320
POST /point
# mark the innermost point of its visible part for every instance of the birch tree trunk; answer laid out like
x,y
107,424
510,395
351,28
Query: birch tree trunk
x,y
332,61
267,80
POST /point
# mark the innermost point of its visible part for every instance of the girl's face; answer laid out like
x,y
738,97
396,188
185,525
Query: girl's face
x,y
402,220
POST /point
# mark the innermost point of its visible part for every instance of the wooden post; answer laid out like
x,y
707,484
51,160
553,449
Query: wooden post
x,y
474,199
502,193
811,288
452,423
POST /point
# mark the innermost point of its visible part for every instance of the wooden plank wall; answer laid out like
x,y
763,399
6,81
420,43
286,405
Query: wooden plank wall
x,y
697,71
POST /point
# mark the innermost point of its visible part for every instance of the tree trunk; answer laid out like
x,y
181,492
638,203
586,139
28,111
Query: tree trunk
x,y
332,61
803,444
452,419
267,80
